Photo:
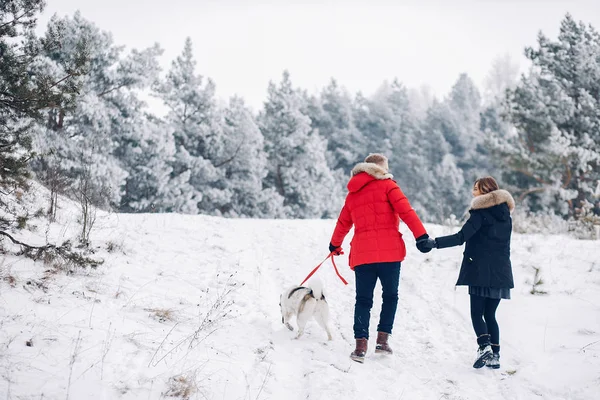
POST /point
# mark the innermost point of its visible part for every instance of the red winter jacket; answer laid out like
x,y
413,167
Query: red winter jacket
x,y
375,205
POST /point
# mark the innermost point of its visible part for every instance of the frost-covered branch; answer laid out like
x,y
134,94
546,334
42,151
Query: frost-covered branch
x,y
50,251
230,159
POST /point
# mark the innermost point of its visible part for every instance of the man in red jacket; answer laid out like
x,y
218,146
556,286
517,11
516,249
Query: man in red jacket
x,y
375,205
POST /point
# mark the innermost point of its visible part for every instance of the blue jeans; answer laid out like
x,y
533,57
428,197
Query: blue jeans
x,y
366,278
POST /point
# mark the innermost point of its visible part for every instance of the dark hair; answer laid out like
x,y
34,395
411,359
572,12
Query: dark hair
x,y
486,184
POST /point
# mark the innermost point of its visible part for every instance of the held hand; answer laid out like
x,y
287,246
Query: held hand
x,y
425,243
336,250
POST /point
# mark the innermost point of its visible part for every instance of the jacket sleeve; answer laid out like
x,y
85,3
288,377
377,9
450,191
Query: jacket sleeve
x,y
342,227
467,231
405,211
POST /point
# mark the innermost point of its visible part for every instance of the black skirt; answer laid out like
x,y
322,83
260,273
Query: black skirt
x,y
492,293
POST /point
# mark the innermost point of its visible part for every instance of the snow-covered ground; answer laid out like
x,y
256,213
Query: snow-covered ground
x,y
188,305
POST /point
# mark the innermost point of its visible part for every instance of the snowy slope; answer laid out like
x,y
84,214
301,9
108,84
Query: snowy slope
x,y
188,305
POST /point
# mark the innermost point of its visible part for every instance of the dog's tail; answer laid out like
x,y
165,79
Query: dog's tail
x,y
317,288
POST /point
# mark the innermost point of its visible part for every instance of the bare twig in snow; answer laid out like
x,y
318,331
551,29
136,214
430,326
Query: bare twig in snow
x,y
161,343
589,345
73,358
217,313
92,310
264,381
105,350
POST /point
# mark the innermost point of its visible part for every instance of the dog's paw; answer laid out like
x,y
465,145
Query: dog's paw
x,y
291,328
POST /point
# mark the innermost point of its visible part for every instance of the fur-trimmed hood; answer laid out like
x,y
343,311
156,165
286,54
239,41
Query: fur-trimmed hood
x,y
372,169
372,172
492,199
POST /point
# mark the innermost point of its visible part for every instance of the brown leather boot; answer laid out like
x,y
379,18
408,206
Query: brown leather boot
x,y
382,343
359,353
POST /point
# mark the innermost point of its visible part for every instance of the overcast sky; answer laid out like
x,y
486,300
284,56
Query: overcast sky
x,y
244,44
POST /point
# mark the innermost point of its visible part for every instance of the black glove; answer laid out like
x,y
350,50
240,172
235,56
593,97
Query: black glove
x,y
337,250
425,243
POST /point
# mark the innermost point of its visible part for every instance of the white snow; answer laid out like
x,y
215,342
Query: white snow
x,y
192,301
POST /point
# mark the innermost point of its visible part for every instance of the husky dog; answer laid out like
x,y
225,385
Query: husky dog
x,y
305,302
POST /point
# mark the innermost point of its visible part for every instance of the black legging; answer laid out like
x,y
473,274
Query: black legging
x,y
486,308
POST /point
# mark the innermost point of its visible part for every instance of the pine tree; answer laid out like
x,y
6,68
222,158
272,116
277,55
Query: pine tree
x,y
406,154
443,189
333,116
420,100
196,124
244,164
458,152
28,86
390,127
91,141
373,119
554,154
147,160
297,166
464,102
503,76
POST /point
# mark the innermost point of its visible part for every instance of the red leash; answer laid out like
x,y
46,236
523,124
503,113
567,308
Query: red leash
x,y
336,270
318,266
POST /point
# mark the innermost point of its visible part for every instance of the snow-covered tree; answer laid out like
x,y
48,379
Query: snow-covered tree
x,y
420,100
333,116
443,192
89,140
147,159
195,122
390,127
464,102
455,124
297,165
28,85
503,75
373,119
555,152
244,164
406,153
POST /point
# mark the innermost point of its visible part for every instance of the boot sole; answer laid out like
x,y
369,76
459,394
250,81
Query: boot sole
x,y
378,351
480,362
493,366
358,359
